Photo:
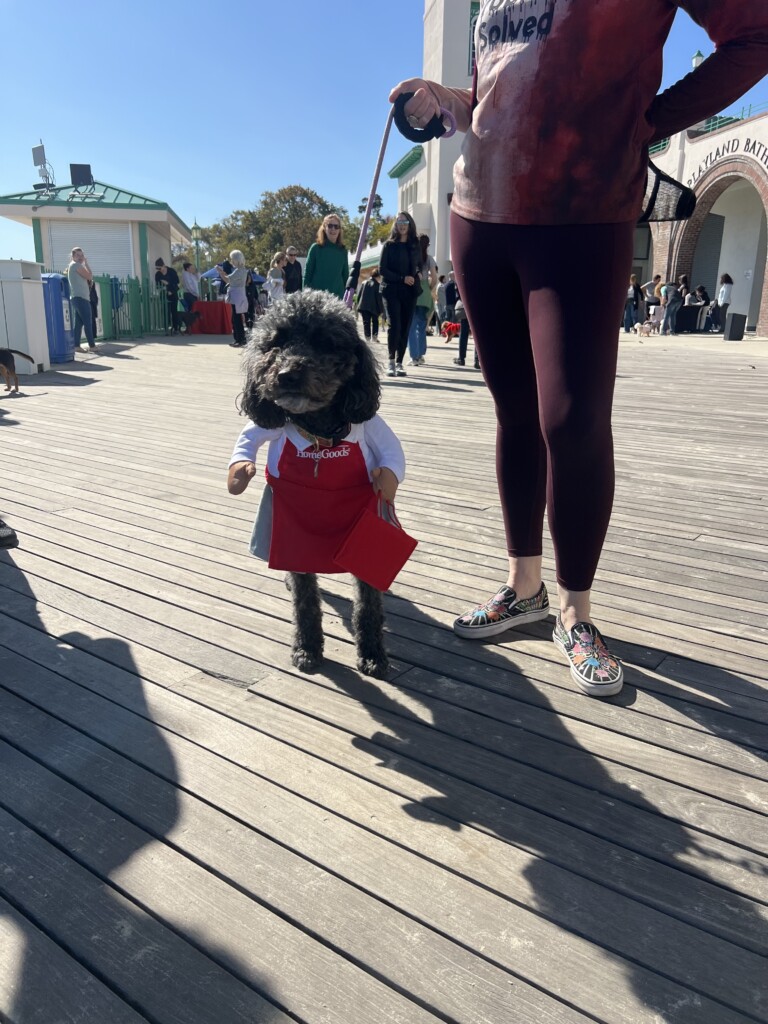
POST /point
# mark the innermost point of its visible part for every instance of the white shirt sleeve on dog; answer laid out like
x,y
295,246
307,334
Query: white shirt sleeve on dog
x,y
378,442
250,440
384,446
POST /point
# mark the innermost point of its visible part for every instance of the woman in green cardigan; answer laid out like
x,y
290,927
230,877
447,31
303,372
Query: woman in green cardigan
x,y
327,266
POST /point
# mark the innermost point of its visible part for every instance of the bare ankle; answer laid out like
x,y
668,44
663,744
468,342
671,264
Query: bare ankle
x,y
524,586
524,575
574,606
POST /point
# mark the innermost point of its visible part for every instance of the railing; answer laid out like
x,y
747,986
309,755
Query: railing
x,y
128,309
714,124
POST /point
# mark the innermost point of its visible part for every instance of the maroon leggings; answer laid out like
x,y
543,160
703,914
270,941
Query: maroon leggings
x,y
545,305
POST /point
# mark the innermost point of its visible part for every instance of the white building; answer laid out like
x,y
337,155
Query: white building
x,y
121,232
725,161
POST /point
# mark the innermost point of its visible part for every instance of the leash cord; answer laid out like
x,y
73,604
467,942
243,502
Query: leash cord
x,y
435,129
349,294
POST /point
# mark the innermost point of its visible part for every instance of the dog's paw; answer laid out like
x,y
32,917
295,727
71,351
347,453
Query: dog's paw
x,y
305,661
376,667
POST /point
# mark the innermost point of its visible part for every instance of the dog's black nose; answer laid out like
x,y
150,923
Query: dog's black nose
x,y
286,378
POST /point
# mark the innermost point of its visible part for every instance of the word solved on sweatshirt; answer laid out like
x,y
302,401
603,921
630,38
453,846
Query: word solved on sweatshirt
x,y
505,23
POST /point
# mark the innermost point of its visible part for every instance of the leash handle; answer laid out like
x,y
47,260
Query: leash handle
x,y
434,129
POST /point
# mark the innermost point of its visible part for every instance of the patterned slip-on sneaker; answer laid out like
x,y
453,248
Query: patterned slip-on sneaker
x,y
594,668
502,612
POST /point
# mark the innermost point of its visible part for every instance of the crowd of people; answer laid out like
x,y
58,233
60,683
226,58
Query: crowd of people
x,y
404,291
656,304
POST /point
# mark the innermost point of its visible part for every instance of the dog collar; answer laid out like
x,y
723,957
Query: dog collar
x,y
324,442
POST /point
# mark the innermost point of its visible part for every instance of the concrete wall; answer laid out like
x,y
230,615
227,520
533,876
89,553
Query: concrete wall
x,y
744,217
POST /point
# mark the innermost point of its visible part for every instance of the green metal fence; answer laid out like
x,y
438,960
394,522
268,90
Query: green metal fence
x,y
128,309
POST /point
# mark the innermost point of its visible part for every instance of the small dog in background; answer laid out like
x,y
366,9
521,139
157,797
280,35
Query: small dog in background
x,y
8,367
187,320
450,330
646,329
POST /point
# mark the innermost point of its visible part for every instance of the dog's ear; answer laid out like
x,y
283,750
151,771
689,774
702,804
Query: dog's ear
x,y
361,395
264,413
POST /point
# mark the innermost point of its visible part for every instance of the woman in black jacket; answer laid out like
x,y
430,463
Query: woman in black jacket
x,y
400,266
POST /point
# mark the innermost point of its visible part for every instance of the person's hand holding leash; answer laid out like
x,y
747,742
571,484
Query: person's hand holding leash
x,y
422,106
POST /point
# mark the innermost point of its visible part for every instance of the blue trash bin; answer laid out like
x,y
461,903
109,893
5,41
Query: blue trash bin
x,y
58,318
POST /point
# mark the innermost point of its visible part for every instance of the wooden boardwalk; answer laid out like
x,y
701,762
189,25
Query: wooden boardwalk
x,y
194,833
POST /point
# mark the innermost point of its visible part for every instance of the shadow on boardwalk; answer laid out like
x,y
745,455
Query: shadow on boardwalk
x,y
609,865
64,885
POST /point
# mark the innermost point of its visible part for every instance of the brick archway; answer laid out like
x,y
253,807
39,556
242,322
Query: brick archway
x,y
683,238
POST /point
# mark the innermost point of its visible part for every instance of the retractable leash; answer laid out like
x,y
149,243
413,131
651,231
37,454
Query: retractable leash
x,y
442,125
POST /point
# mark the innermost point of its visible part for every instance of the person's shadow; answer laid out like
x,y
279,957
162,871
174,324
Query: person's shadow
x,y
655,895
77,814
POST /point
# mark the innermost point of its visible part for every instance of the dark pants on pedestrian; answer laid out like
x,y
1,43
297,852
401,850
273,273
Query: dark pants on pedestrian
x,y
551,372
370,324
401,302
238,327
189,300
464,340
83,320
719,313
173,311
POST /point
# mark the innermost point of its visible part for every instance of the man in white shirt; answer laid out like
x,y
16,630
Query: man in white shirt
x,y
649,290
190,285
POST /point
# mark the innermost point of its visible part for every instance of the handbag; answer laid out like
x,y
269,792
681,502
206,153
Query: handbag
x,y
377,547
665,198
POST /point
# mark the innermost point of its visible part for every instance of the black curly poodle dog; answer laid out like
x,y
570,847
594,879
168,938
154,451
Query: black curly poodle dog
x,y
311,378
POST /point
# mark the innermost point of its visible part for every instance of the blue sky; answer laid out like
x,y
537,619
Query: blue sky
x,y
206,106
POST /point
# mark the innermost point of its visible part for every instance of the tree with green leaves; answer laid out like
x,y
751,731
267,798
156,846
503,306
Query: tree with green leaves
x,y
289,216
376,206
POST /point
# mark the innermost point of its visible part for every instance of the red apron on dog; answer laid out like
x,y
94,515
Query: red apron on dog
x,y
317,499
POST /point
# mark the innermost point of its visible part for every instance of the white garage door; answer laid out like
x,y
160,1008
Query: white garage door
x,y
107,246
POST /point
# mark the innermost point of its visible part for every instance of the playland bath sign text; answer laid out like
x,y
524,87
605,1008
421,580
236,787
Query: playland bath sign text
x,y
752,147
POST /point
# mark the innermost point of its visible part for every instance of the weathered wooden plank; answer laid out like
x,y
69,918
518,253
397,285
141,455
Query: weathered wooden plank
x,y
40,983
349,797
304,976
744,653
164,977
561,700
230,621
479,919
674,614
399,950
